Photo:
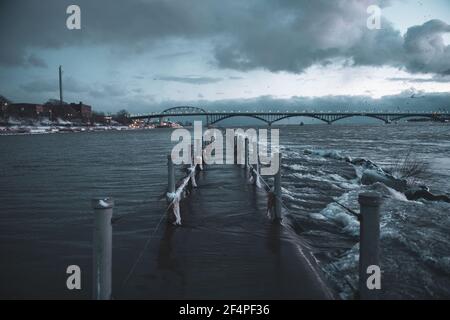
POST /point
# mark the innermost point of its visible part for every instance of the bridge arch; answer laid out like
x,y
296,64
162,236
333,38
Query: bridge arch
x,y
183,109
334,118
305,116
385,118
269,120
381,118
431,116
220,118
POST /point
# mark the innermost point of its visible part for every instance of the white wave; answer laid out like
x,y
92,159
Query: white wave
x,y
397,195
317,216
341,216
296,167
332,154
412,229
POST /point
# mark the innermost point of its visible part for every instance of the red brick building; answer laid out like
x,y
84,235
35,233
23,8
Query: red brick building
x,y
73,111
26,110
82,111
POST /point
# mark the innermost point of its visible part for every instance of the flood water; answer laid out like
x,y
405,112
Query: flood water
x,y
47,181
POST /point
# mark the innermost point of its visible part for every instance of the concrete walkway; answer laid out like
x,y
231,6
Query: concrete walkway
x,y
226,249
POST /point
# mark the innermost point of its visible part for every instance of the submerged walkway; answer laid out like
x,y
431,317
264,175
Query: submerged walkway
x,y
226,248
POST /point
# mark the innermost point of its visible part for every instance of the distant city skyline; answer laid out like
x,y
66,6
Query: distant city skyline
x,y
145,55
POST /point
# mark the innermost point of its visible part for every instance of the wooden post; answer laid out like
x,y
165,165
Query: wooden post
x,y
369,244
277,187
102,248
171,175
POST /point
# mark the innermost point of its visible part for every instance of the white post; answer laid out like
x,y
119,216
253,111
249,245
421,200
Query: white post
x,y
198,160
256,166
235,150
277,187
171,175
369,244
246,153
102,247
258,163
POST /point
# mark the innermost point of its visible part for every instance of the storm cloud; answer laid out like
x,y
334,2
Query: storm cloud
x,y
47,85
426,49
284,35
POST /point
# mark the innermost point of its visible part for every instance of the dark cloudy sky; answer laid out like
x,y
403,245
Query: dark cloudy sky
x,y
145,54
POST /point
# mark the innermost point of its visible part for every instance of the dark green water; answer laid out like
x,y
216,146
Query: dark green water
x,y
47,181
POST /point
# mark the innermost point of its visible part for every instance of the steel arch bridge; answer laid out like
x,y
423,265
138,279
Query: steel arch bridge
x,y
269,117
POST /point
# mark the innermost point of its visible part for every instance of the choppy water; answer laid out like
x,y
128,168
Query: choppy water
x,y
415,236
46,182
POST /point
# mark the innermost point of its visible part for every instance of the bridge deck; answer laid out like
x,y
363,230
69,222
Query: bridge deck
x,y
226,249
273,117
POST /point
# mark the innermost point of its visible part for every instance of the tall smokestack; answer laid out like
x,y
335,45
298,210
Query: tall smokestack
x,y
60,86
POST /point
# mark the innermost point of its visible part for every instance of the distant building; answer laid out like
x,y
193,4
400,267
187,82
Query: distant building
x,y
52,110
72,111
82,111
26,110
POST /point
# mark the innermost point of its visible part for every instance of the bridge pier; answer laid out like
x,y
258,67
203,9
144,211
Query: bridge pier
x,y
388,120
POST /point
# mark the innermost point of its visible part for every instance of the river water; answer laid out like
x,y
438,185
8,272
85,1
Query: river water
x,y
47,181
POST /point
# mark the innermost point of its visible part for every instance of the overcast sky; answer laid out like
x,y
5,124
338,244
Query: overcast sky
x,y
143,55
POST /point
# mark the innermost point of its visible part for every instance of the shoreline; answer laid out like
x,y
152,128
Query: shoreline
x,y
31,130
